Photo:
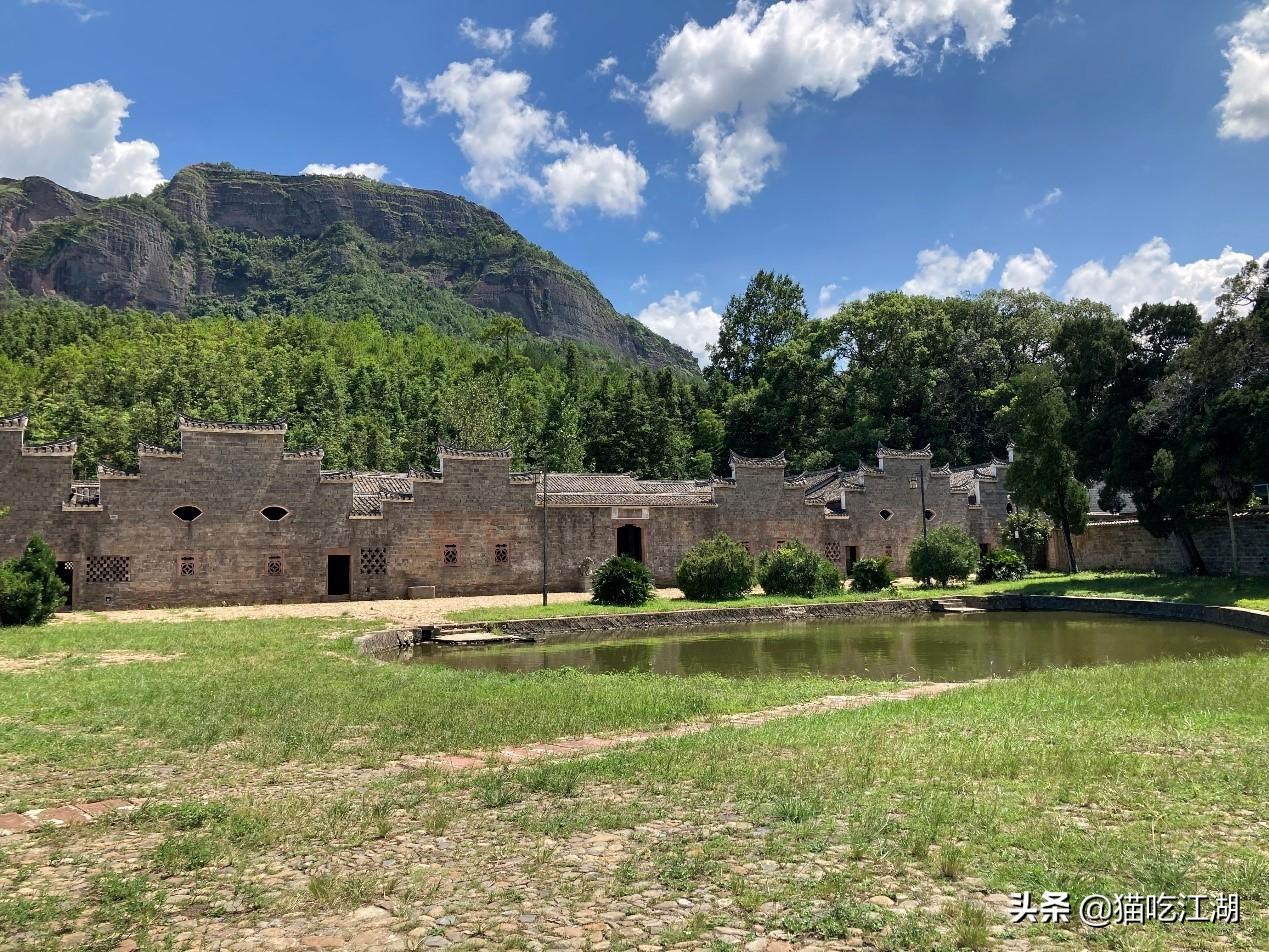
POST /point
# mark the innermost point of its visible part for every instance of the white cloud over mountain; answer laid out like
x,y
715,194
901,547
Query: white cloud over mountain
x,y
682,319
72,135
504,137
723,82
370,170
1245,107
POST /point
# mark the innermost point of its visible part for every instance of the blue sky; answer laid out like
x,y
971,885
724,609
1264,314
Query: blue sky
x,y
935,144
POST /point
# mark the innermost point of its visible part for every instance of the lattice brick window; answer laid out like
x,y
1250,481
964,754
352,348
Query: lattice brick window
x,y
833,551
745,546
374,561
185,567
274,566
889,551
107,568
501,554
450,556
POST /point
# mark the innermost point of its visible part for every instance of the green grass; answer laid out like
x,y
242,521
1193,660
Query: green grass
x,y
265,692
1220,590
1118,779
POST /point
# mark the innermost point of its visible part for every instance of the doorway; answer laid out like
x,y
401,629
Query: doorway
x,y
630,542
66,572
338,575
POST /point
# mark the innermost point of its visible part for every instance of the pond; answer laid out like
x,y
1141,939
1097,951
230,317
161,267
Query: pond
x,y
915,648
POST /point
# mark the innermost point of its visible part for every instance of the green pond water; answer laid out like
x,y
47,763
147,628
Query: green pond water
x,y
917,648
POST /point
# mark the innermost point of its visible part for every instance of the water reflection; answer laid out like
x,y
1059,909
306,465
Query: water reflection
x,y
923,647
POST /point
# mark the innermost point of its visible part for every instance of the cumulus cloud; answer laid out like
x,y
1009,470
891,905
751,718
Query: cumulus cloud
x,y
682,319
640,285
1149,274
651,236
828,300
604,66
941,272
722,82
541,31
1245,108
485,37
1051,197
72,136
1030,272
370,170
503,136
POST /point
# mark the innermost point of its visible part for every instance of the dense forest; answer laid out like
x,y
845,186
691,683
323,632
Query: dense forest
x,y
1162,407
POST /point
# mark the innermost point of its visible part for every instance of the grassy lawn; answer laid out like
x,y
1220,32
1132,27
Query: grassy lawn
x,y
269,691
1243,592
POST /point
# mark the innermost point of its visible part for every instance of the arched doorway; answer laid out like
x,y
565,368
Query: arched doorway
x,y
630,541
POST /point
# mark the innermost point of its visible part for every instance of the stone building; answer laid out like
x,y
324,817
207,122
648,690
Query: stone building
x,y
231,516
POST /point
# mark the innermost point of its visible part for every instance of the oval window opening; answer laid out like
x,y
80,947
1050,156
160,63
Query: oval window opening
x,y
187,513
929,514
886,514
274,513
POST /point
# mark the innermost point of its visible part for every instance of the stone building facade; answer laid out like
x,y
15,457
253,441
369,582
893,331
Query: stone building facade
x,y
231,516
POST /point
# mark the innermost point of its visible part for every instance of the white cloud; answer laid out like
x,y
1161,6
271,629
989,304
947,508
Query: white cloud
x,y
604,66
625,89
370,170
1051,197
486,37
83,12
503,136
1029,272
941,272
722,82
1150,275
640,284
72,136
541,31
828,300
1245,107
651,236
590,175
682,319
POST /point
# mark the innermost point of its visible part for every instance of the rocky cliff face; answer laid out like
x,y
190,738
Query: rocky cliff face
x,y
218,239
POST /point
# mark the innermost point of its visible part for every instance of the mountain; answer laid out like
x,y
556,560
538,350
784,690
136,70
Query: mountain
x,y
220,240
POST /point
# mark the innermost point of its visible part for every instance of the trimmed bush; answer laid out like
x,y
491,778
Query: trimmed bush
x,y
947,553
793,569
1002,565
871,575
714,569
621,580
30,590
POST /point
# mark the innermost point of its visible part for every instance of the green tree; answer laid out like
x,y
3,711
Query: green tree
x,y
30,590
768,314
1034,410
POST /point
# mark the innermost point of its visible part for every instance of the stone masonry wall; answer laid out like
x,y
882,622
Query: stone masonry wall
x,y
1123,544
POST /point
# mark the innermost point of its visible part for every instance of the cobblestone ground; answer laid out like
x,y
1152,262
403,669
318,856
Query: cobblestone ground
x,y
402,858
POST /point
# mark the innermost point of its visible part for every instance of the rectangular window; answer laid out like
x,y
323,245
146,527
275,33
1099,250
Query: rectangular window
x,y
778,543
275,567
101,569
501,554
889,551
374,561
185,566
451,555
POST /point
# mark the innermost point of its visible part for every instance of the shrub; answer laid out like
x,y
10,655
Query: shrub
x,y
30,590
871,575
947,553
1002,565
1027,533
714,569
793,569
621,580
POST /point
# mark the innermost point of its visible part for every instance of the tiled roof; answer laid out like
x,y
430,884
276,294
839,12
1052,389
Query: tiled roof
x,y
149,449
15,422
758,462
337,476
366,506
384,485
528,478
427,476
887,453
229,426
446,451
111,472
60,448
620,489
313,453
592,483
